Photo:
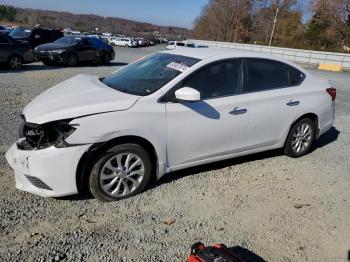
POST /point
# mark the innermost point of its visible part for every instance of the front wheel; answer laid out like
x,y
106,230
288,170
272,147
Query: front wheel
x,y
72,60
300,138
120,172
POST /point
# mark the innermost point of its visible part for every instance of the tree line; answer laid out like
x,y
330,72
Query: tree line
x,y
322,25
88,22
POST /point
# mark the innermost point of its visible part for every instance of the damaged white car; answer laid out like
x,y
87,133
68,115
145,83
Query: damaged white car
x,y
165,112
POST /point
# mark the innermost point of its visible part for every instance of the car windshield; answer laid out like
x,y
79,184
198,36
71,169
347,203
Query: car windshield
x,y
20,32
149,74
68,40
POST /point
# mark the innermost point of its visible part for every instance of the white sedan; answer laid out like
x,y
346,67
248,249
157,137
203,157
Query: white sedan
x,y
168,111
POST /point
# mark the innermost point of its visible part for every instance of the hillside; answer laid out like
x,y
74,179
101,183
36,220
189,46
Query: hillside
x,y
86,22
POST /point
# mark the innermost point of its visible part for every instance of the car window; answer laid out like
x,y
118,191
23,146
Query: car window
x,y
88,42
20,32
295,76
191,45
216,80
264,74
98,43
3,40
180,44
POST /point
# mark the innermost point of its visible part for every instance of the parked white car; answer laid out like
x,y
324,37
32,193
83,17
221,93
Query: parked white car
x,y
171,45
126,42
168,111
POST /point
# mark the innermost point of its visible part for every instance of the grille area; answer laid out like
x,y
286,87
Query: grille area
x,y
37,182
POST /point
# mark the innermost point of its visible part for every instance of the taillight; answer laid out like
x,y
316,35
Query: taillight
x,y
332,92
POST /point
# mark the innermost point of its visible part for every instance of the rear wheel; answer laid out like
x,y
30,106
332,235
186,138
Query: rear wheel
x,y
106,59
300,138
72,60
14,62
121,172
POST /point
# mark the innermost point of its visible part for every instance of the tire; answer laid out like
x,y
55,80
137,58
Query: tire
x,y
14,62
301,138
106,59
72,60
110,180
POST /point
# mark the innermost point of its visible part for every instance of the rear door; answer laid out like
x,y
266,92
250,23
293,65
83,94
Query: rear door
x,y
215,125
274,100
87,50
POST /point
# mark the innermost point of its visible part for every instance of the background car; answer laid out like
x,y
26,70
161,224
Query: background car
x,y
35,36
70,50
14,53
171,45
5,29
126,42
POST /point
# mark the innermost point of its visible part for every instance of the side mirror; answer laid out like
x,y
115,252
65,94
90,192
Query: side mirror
x,y
187,94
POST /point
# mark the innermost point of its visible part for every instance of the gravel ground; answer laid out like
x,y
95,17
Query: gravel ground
x,y
266,206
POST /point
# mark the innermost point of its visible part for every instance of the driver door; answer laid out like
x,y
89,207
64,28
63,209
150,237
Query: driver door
x,y
86,50
214,126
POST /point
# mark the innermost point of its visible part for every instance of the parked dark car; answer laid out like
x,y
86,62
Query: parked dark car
x,y
5,29
35,36
70,50
14,53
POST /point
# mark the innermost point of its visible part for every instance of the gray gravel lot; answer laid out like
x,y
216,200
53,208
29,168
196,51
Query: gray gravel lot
x,y
278,208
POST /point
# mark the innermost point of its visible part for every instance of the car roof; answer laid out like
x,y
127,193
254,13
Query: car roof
x,y
205,53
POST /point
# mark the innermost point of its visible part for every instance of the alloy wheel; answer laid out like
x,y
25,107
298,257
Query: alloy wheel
x,y
302,138
15,62
122,174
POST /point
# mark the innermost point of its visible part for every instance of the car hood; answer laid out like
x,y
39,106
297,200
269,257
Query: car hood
x,y
53,46
78,96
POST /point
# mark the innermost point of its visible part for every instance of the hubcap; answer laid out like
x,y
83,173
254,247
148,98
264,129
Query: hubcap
x,y
72,60
15,63
122,174
302,138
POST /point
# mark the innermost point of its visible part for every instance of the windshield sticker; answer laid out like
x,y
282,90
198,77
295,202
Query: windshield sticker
x,y
178,66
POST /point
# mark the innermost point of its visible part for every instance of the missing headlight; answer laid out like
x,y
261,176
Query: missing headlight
x,y
48,134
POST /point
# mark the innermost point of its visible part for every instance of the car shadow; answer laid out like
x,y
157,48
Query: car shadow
x,y
203,108
41,67
327,138
330,136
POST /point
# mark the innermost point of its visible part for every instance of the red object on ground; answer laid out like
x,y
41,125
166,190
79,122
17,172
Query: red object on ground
x,y
215,253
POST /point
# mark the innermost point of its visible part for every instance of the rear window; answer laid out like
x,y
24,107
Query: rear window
x,y
264,74
20,32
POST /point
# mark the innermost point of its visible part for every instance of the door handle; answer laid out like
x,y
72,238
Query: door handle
x,y
293,103
238,111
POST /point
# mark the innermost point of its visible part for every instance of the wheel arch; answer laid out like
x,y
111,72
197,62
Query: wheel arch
x,y
314,117
15,54
86,162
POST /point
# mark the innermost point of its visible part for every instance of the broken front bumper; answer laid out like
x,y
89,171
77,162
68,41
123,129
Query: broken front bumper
x,y
49,172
